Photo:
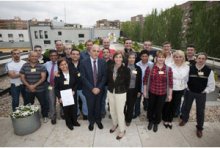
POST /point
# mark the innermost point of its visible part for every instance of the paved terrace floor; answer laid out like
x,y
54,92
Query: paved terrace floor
x,y
137,135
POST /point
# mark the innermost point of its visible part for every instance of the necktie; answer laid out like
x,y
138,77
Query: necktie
x,y
94,72
52,74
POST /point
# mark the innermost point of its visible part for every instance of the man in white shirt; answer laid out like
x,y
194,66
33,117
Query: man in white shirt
x,y
201,82
17,86
167,50
143,64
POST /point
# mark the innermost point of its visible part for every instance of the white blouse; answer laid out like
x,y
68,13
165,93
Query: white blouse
x,y
180,76
67,77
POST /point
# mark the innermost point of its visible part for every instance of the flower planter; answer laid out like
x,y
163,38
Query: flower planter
x,y
26,125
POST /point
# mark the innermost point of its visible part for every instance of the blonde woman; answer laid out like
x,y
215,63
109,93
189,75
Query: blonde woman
x,y
180,75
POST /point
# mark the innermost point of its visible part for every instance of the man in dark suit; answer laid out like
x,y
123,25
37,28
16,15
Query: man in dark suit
x,y
93,74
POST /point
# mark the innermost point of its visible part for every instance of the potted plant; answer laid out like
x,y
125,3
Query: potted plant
x,y
26,119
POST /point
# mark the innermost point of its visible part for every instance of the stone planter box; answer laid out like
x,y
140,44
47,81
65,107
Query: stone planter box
x,y
27,125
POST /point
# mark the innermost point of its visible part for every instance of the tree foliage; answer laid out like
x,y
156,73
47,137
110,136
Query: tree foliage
x,y
166,25
204,31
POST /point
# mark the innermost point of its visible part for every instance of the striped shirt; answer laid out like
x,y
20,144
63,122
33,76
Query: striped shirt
x,y
33,75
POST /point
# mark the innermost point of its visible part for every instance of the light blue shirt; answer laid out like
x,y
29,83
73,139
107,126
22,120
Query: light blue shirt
x,y
48,65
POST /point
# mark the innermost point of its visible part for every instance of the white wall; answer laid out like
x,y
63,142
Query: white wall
x,y
5,32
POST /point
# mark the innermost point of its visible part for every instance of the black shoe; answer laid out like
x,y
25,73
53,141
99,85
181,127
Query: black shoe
x,y
91,127
166,125
170,126
70,127
76,123
155,127
150,125
85,117
53,121
100,126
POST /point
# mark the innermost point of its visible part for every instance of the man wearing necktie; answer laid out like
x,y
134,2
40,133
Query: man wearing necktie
x,y
52,68
93,73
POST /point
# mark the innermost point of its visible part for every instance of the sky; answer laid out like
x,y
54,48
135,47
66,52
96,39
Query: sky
x,y
84,12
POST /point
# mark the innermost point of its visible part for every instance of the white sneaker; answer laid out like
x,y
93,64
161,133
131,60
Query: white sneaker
x,y
45,120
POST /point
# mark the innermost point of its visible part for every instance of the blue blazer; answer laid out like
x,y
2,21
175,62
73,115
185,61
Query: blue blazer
x,y
87,75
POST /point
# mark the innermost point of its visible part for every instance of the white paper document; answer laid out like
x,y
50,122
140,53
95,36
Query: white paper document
x,y
67,97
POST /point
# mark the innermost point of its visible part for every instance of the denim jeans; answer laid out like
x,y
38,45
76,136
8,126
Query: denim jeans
x,y
42,98
84,103
52,102
15,93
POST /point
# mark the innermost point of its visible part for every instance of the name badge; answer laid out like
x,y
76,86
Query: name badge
x,y
78,74
151,57
187,63
134,72
66,82
41,61
17,84
33,69
201,73
49,88
161,72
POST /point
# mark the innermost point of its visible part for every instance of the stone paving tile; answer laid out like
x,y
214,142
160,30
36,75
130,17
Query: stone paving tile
x,y
136,135
37,138
103,138
211,134
163,137
63,137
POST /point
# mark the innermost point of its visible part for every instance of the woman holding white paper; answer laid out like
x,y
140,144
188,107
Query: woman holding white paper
x,y
65,84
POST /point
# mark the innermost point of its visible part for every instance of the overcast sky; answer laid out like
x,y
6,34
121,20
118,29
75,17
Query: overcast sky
x,y
85,12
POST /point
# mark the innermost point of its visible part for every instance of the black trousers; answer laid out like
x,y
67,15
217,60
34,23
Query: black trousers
x,y
200,107
129,105
42,98
155,106
170,108
94,107
70,114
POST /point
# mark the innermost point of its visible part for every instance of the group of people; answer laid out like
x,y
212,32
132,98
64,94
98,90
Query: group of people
x,y
123,77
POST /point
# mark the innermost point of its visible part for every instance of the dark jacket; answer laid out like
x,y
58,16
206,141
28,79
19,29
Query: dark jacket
x,y
79,79
87,75
122,81
59,83
138,82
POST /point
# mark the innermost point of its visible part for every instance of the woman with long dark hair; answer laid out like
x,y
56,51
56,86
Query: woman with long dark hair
x,y
67,79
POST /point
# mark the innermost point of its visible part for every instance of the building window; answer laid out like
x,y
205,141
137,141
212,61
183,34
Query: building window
x,y
59,33
81,35
35,34
10,35
68,41
21,40
46,41
0,35
41,34
20,35
45,35
12,41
